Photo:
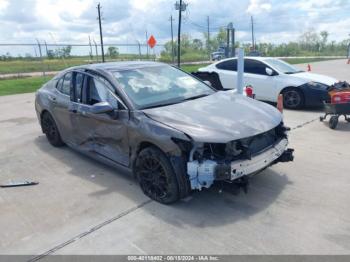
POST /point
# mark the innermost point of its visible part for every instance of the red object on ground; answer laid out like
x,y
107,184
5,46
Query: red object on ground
x,y
308,67
280,103
152,41
249,91
340,97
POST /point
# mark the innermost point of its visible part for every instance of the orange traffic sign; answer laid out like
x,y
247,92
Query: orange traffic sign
x,y
152,41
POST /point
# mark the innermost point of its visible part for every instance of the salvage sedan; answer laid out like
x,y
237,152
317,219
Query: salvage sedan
x,y
174,132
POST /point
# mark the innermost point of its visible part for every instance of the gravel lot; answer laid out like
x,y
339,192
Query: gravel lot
x,y
83,207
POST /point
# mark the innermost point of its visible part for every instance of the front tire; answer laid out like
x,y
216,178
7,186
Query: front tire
x,y
50,129
293,98
333,122
156,176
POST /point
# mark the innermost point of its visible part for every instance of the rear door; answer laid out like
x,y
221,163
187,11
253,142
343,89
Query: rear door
x,y
60,100
227,71
104,134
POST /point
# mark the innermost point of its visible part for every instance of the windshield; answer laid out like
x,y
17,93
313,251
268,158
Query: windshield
x,y
282,66
161,85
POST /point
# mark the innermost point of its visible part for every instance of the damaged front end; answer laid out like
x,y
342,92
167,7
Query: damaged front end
x,y
235,160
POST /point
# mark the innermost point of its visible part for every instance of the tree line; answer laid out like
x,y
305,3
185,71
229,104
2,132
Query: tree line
x,y
309,43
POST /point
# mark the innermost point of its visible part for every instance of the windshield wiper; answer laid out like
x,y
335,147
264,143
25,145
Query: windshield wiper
x,y
195,97
294,72
175,102
160,105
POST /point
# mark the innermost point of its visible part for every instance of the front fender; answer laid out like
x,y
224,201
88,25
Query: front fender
x,y
145,131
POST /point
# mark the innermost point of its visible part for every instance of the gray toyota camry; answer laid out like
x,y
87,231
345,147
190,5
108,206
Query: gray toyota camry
x,y
173,131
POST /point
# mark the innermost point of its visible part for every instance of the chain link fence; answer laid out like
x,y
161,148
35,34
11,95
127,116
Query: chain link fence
x,y
42,59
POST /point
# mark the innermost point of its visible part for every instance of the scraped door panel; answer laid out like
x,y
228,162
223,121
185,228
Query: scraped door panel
x,y
103,134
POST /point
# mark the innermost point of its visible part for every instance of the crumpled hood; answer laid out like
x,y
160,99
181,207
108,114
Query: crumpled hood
x,y
316,78
218,118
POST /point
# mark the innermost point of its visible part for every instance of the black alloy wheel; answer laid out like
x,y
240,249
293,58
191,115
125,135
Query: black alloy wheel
x,y
293,98
50,129
156,176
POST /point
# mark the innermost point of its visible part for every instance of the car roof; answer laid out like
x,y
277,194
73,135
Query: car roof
x,y
258,58
119,66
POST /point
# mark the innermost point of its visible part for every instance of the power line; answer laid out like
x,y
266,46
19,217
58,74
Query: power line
x,y
202,26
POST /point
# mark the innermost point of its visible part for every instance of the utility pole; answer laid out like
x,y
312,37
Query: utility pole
x,y
253,40
101,37
172,40
181,7
208,37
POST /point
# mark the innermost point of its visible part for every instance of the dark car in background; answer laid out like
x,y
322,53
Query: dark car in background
x,y
174,132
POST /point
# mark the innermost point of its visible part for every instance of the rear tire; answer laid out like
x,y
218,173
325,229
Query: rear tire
x,y
50,129
293,98
156,176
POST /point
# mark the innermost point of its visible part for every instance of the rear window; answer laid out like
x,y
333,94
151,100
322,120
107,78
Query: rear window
x,y
230,65
63,85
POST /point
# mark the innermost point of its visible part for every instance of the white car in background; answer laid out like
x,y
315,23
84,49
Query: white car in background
x,y
269,78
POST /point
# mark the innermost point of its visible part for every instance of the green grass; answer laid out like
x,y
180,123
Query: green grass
x,y
305,60
31,84
24,66
21,85
192,68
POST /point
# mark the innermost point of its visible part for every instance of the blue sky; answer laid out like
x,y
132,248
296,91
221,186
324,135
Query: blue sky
x,y
72,21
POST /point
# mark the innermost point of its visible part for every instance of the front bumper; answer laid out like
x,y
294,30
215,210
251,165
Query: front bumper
x,y
315,97
258,162
203,174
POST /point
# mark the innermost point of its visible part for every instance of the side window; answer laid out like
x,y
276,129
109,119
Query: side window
x,y
98,91
65,89
230,65
254,67
79,82
59,84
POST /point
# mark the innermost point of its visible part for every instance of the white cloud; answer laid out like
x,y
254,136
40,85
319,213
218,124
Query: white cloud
x,y
3,5
126,21
55,12
257,6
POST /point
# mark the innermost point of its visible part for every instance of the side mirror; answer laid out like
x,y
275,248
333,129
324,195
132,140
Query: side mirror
x,y
101,108
207,82
269,71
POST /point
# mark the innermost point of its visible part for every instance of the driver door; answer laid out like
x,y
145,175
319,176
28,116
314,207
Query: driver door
x,y
263,85
104,134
